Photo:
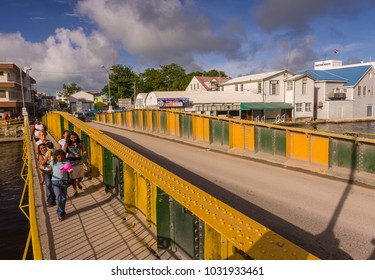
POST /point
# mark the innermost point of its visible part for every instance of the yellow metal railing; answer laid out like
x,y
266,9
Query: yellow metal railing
x,y
225,226
318,151
27,175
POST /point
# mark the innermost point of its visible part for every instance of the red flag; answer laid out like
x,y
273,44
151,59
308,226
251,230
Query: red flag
x,y
335,51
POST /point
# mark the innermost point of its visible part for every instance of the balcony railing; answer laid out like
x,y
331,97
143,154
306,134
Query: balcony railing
x,y
336,95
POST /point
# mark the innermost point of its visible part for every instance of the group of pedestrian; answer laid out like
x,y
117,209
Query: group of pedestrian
x,y
52,164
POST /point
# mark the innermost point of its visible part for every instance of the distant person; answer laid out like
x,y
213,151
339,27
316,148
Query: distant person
x,y
43,140
76,150
62,142
59,181
37,127
7,117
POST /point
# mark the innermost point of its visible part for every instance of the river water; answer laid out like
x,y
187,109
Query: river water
x,y
14,226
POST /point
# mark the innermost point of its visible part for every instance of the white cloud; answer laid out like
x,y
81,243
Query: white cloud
x,y
168,31
66,56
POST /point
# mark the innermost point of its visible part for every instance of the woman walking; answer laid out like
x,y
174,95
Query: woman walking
x,y
75,150
45,156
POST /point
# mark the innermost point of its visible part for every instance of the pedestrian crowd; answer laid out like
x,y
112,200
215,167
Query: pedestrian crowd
x,y
60,167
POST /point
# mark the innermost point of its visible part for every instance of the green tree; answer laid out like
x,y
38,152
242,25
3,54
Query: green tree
x,y
151,80
63,105
122,81
69,89
173,74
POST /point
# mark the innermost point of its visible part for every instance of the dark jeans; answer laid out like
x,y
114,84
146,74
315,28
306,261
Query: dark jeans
x,y
60,187
51,198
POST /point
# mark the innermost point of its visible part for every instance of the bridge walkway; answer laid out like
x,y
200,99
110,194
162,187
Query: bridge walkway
x,y
95,227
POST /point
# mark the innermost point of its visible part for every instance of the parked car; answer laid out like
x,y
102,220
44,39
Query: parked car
x,y
80,115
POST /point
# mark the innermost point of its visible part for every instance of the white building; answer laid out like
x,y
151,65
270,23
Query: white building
x,y
12,94
300,92
282,88
220,104
201,83
81,101
345,92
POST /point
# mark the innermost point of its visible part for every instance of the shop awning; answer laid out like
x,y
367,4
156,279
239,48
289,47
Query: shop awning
x,y
265,106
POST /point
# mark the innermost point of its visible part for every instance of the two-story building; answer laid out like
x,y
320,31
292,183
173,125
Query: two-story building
x,y
344,92
284,96
16,90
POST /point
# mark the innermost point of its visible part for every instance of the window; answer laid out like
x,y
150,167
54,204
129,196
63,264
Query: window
x,y
2,94
359,90
304,86
298,107
259,87
364,91
289,85
241,87
1,73
307,107
236,87
274,87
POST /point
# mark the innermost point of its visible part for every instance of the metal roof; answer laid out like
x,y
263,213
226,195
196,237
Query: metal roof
x,y
254,77
350,76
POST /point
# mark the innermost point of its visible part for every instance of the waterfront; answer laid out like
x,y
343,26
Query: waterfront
x,y
14,225
361,128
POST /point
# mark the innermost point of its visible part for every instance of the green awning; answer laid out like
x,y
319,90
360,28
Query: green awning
x,y
265,106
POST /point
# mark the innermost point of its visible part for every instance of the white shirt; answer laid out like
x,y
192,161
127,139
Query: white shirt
x,y
62,143
38,127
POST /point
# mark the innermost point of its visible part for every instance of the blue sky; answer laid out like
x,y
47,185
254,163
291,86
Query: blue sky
x,y
67,41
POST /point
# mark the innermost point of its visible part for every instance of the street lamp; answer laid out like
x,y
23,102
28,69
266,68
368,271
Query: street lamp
x,y
110,110
26,69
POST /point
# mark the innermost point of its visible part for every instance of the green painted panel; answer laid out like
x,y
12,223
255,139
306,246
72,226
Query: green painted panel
x,y
265,140
62,126
108,178
280,142
123,118
154,121
71,126
135,119
86,141
342,153
186,128
225,133
216,132
183,230
145,125
114,118
163,122
106,117
163,220
181,125
367,158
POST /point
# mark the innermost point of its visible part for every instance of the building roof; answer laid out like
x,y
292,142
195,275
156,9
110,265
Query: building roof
x,y
204,80
350,76
254,77
299,76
